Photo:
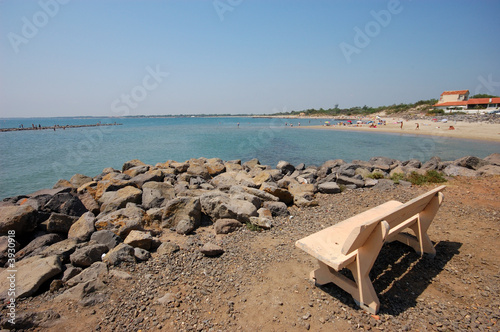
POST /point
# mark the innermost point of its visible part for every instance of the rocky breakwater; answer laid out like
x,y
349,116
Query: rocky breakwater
x,y
69,239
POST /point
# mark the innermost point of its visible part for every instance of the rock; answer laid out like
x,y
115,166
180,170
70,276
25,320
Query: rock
x,y
167,248
30,320
106,237
329,188
81,290
226,226
383,163
201,171
63,249
453,170
264,223
21,219
121,274
115,200
285,167
301,201
141,255
348,170
136,170
283,195
121,253
4,249
347,180
79,180
186,209
277,209
215,167
493,159
89,202
138,239
370,183
97,270
264,196
62,183
38,244
185,226
87,255
251,163
489,170
71,272
59,223
155,193
432,164
211,250
329,166
30,274
111,182
470,162
152,176
412,163
265,213
218,205
123,221
66,203
261,177
83,228
132,163
384,185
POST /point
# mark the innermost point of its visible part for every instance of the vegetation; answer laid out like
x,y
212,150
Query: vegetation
x,y
431,176
423,105
376,175
483,95
253,227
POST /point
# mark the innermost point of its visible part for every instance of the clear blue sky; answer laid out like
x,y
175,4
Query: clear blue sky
x,y
99,58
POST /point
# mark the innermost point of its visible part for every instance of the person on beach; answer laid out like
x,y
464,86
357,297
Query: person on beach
x,y
401,124
418,126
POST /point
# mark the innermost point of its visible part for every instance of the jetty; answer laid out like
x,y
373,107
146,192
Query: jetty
x,y
55,127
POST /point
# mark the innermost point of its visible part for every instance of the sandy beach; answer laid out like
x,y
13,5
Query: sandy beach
x,y
465,130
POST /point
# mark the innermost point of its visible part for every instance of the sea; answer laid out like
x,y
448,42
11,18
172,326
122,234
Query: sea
x,y
37,159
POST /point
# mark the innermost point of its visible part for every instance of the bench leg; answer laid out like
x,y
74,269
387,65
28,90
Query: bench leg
x,y
423,244
361,289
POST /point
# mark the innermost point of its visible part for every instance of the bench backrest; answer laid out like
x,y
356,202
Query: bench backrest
x,y
394,217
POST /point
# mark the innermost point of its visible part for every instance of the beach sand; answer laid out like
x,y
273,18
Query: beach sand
x,y
465,130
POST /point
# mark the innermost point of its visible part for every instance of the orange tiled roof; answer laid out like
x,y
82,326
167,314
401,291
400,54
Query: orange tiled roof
x,y
456,92
474,101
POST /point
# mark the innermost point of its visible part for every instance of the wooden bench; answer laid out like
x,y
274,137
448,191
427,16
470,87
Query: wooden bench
x,y
356,242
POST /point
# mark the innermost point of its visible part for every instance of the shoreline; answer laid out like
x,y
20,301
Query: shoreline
x,y
462,130
4,130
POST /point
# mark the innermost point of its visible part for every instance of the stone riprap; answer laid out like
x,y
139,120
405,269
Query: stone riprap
x,y
119,216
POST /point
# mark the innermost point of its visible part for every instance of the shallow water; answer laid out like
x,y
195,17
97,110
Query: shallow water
x,y
33,160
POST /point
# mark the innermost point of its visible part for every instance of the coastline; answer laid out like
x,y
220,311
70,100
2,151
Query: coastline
x,y
463,130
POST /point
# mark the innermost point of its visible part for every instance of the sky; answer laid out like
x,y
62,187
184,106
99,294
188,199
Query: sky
x,y
117,58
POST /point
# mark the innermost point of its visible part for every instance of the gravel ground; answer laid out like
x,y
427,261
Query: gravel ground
x,y
261,283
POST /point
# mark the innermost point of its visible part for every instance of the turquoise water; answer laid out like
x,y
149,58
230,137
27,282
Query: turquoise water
x,y
33,160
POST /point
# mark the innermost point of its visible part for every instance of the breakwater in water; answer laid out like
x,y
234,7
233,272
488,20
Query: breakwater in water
x,y
55,127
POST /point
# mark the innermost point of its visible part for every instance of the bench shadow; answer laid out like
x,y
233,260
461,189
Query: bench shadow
x,y
400,276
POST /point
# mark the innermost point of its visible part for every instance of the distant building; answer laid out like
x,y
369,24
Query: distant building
x,y
458,101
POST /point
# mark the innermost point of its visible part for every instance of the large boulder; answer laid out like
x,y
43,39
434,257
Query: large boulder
x,y
277,209
151,176
119,254
83,228
132,163
453,170
87,255
89,202
329,166
79,180
106,237
138,239
225,226
30,274
350,181
110,182
98,270
37,245
329,188
59,223
489,170
62,249
66,203
218,205
155,193
21,219
285,167
114,200
215,166
183,210
470,162
122,221
493,158
283,195
211,249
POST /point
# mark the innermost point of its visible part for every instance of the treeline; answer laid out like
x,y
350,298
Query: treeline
x,y
425,105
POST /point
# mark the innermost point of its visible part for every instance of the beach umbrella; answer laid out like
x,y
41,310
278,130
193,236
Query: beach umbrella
x,y
327,121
